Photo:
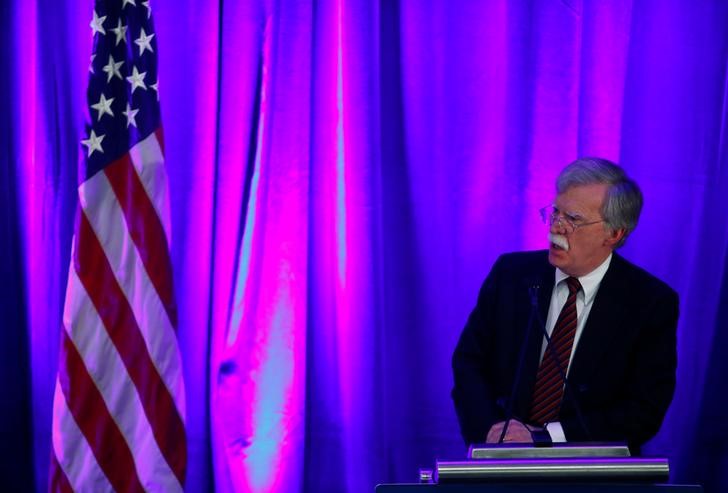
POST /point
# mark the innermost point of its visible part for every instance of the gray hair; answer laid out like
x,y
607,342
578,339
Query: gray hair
x,y
623,203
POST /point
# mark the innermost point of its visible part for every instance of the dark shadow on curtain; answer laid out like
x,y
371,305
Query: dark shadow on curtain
x,y
710,445
406,435
16,451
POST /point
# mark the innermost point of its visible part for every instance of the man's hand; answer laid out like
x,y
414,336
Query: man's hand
x,y
517,433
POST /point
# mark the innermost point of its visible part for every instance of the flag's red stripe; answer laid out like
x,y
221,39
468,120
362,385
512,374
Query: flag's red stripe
x,y
160,138
98,279
146,230
94,420
57,479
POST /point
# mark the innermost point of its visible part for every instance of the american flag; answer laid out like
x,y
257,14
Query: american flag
x,y
119,403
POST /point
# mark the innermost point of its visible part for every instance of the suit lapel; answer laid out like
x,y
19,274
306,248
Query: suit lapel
x,y
544,299
601,327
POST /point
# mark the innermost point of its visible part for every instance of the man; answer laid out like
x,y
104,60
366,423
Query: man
x,y
612,328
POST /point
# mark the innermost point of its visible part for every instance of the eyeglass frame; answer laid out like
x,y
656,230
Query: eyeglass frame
x,y
564,219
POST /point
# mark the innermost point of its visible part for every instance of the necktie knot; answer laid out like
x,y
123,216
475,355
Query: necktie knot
x,y
573,284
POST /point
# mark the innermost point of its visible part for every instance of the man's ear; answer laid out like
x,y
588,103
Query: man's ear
x,y
615,236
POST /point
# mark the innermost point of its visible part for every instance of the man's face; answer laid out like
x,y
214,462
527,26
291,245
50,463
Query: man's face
x,y
589,245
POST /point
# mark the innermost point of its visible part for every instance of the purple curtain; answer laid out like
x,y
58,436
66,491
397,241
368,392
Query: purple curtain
x,y
343,173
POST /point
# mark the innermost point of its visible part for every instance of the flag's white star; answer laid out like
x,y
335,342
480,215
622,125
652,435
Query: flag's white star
x,y
149,9
112,69
155,86
143,41
91,65
120,32
93,143
133,2
136,79
103,106
130,115
97,24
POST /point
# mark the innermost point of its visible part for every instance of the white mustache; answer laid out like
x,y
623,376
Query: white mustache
x,y
559,240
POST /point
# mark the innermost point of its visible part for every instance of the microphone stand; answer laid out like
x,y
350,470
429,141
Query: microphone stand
x,y
519,368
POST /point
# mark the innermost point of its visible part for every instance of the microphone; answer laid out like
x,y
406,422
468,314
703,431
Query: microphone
x,y
521,359
551,351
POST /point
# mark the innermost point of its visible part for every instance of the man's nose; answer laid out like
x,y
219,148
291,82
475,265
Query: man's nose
x,y
557,225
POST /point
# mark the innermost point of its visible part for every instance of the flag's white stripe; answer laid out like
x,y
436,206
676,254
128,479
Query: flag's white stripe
x,y
107,370
72,451
107,220
148,161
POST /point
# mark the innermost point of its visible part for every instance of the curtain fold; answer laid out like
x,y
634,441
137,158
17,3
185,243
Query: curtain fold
x,y
343,173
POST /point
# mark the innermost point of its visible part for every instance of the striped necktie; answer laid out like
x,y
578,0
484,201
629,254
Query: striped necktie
x,y
549,389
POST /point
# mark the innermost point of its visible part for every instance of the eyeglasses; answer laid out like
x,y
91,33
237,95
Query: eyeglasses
x,y
569,222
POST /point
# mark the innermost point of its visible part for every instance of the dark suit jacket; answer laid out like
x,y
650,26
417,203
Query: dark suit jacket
x,y
623,371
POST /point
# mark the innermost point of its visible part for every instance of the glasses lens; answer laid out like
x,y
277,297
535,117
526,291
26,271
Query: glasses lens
x,y
549,216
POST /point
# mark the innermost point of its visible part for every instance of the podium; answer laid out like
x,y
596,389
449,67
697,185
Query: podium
x,y
570,468
537,488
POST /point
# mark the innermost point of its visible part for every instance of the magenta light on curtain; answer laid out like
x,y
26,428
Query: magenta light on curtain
x,y
259,354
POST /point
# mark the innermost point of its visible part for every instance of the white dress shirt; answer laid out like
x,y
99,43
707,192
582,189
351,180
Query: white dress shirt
x,y
584,301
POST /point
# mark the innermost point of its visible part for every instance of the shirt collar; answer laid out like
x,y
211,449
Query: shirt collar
x,y
590,282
